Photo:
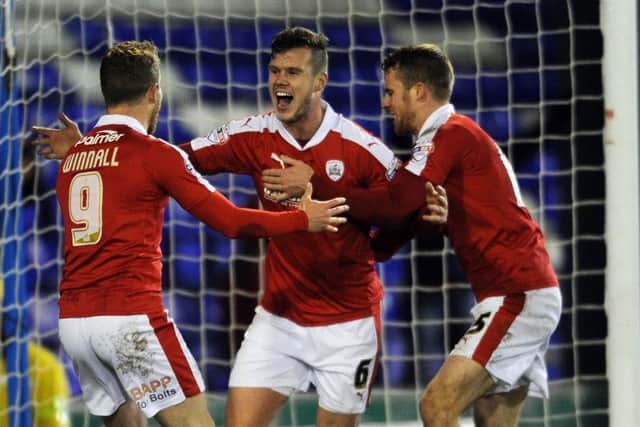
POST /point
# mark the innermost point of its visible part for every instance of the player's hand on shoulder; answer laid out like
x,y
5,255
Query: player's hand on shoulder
x,y
323,215
54,143
437,204
287,181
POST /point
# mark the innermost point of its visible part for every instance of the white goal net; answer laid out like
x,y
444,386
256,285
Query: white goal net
x,y
528,71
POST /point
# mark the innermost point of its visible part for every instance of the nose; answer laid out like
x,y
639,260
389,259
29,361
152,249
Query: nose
x,y
279,78
385,102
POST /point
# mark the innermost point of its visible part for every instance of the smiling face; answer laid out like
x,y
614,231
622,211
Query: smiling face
x,y
293,85
400,102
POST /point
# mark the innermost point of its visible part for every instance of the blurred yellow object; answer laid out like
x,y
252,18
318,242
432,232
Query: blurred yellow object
x,y
49,389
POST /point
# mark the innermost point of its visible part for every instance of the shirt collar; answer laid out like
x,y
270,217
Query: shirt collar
x,y
121,119
329,122
436,119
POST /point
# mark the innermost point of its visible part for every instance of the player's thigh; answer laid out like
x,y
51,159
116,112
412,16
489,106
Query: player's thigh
x,y
500,409
345,362
267,370
458,383
150,358
326,418
510,335
127,415
101,389
270,356
192,412
252,406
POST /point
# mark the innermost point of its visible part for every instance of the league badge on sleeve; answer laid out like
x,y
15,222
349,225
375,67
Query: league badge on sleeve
x,y
219,135
334,169
422,151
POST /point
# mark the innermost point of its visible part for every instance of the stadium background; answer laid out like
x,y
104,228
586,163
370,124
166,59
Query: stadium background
x,y
530,72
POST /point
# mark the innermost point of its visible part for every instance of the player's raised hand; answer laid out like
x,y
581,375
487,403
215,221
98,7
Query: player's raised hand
x,y
323,216
288,181
437,204
54,143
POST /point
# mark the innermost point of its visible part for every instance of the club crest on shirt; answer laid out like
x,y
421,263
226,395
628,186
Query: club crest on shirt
x,y
219,135
334,169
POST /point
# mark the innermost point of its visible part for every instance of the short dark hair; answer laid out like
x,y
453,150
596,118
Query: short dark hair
x,y
295,37
425,63
128,70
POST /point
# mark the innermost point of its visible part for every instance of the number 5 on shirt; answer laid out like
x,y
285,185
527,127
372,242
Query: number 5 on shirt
x,y
85,208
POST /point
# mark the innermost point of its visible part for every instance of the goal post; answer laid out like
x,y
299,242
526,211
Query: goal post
x,y
13,296
621,73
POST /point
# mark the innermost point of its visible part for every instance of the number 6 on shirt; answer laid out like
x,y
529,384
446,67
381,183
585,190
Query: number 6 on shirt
x,y
85,208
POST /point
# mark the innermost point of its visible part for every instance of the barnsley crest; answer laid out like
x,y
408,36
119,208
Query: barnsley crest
x,y
334,169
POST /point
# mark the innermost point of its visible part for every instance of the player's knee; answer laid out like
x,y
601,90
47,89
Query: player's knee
x,y
482,410
189,420
204,421
434,407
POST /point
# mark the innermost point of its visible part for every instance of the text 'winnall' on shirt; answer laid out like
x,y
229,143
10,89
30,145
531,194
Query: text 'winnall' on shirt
x,y
85,160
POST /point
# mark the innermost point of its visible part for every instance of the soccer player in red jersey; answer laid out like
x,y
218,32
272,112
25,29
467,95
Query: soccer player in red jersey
x,y
113,187
319,319
500,359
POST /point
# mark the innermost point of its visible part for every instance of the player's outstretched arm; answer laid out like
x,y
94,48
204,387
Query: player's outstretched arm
x,y
54,143
323,215
383,206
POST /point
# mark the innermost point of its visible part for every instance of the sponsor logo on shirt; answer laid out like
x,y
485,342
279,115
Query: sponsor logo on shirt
x,y
272,195
291,202
219,135
334,169
101,137
392,169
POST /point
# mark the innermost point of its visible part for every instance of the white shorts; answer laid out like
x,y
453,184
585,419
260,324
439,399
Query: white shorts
x,y
510,336
130,357
340,360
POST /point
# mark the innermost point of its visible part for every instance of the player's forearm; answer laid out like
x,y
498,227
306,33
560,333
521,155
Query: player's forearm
x,y
386,206
232,221
387,241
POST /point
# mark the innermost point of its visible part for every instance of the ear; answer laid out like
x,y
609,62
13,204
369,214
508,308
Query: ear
x,y
153,92
422,91
320,81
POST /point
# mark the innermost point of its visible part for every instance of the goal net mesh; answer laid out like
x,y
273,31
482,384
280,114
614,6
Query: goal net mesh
x,y
528,71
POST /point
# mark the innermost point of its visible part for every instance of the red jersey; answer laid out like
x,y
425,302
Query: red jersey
x,y
498,244
113,186
311,279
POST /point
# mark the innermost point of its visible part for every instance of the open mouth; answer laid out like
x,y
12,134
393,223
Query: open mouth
x,y
284,99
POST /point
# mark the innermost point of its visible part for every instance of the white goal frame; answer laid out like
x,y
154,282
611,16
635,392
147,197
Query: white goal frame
x,y
622,226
